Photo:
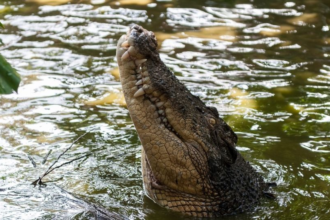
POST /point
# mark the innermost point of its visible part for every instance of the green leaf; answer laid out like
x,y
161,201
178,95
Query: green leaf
x,y
9,79
1,27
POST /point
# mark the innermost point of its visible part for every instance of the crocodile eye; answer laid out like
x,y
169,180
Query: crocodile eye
x,y
212,121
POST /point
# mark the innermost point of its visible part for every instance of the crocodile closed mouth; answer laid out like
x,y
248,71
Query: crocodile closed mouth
x,y
189,159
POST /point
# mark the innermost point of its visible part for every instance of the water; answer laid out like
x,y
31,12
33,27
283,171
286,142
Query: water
x,y
263,64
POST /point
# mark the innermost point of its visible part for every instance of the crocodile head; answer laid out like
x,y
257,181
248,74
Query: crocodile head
x,y
189,160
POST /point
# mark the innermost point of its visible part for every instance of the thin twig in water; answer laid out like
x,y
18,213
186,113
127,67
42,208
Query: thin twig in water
x,y
32,161
51,168
46,157
59,157
78,158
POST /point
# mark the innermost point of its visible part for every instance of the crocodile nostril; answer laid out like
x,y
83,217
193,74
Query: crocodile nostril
x,y
137,28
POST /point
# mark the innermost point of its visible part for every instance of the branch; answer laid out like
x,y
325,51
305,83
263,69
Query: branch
x,y
51,168
59,157
32,161
46,157
78,158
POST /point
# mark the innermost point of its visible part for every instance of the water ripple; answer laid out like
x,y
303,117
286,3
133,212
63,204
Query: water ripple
x,y
262,117
269,41
247,12
93,33
196,18
277,64
106,12
317,146
61,8
38,24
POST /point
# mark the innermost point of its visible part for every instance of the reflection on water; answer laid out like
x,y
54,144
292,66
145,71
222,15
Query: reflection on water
x,y
264,66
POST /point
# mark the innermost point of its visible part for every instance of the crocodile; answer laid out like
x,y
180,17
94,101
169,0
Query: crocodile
x,y
190,163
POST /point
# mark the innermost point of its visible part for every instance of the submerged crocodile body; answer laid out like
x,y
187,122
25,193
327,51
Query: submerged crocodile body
x,y
189,160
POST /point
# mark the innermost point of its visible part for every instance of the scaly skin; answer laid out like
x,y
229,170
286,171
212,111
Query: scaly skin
x,y
189,160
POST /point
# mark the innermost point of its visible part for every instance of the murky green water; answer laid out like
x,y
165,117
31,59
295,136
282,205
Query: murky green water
x,y
264,64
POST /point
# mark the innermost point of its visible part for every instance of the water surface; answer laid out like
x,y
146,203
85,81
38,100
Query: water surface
x,y
263,64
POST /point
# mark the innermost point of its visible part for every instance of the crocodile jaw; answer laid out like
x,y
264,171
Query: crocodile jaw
x,y
165,161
